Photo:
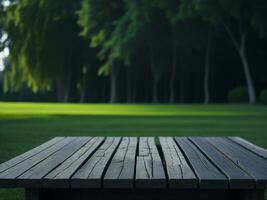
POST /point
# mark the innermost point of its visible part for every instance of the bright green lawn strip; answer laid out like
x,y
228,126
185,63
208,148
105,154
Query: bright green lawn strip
x,y
129,110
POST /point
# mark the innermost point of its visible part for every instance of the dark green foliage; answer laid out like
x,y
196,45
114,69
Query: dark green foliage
x,y
238,95
263,97
45,49
147,50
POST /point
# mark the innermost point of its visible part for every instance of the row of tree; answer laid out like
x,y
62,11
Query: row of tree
x,y
143,50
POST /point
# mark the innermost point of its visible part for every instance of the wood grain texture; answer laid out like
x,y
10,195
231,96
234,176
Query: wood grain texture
x,y
8,177
251,163
180,175
33,177
129,163
91,173
237,178
149,168
208,175
14,161
120,173
249,146
60,177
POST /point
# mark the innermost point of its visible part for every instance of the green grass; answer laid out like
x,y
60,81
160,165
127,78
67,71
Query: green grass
x,y
25,125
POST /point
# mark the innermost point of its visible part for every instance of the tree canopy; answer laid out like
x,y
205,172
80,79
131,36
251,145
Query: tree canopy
x,y
135,51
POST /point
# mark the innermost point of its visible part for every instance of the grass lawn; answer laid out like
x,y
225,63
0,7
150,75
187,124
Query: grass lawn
x,y
25,125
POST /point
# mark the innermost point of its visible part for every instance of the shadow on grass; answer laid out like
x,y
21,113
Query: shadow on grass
x,y
52,125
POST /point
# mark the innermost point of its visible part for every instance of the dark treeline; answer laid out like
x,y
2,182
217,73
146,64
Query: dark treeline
x,y
133,51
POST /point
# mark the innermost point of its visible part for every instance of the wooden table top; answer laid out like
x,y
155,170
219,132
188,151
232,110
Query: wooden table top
x,y
131,162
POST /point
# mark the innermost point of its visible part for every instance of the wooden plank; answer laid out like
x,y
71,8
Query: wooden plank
x,y
7,178
149,167
180,175
209,176
251,163
91,173
60,177
14,161
33,177
238,179
249,146
120,173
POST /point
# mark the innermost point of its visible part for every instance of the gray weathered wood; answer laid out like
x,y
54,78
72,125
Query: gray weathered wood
x,y
91,173
253,164
209,176
108,164
238,179
180,175
8,177
60,177
120,173
18,159
33,177
149,167
249,146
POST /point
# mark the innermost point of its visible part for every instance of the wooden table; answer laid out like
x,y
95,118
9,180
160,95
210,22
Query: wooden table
x,y
136,168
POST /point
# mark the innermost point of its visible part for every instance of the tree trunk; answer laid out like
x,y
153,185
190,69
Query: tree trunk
x,y
241,49
181,80
114,84
155,91
155,76
206,71
63,93
60,91
83,93
250,85
67,78
182,98
72,85
129,85
62,86
84,85
173,71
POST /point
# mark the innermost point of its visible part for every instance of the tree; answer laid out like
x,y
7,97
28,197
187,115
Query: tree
x,y
173,14
188,10
50,49
238,17
206,85
134,51
97,18
117,37
2,23
155,28
123,42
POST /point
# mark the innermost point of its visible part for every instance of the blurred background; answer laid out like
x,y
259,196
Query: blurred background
x,y
130,68
181,51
